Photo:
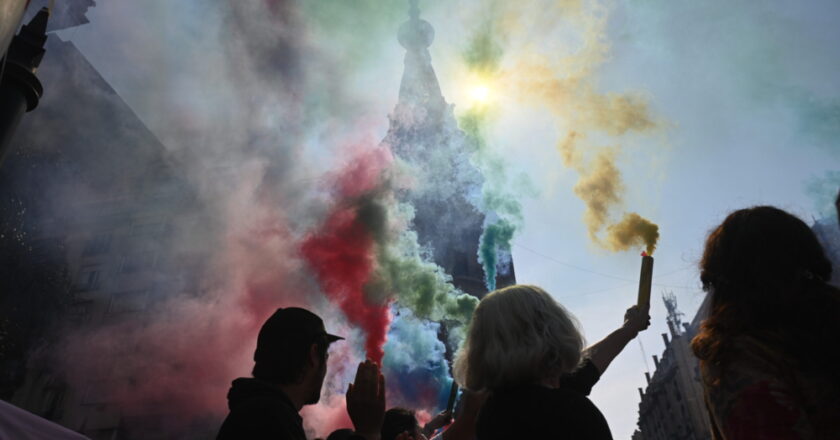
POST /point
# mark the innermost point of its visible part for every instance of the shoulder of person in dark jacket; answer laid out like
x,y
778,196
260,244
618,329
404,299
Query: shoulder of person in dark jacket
x,y
345,434
260,410
582,379
535,411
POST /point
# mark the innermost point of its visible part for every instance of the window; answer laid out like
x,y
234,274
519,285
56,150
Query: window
x,y
89,277
130,301
137,262
150,229
95,393
98,244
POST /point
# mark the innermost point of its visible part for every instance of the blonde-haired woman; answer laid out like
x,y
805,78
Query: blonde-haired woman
x,y
525,350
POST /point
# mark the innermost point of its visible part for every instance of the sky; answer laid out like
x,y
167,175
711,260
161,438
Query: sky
x,y
743,99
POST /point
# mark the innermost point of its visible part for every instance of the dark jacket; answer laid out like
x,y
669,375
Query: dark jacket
x,y
260,410
536,412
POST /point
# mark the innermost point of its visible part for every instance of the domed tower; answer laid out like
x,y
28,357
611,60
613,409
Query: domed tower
x,y
420,94
425,135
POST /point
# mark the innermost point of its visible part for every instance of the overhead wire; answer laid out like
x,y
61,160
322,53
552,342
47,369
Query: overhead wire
x,y
627,281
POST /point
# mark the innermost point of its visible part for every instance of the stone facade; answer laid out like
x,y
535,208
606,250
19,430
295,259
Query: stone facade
x,y
672,406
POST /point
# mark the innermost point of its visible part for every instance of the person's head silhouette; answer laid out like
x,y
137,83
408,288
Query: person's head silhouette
x,y
292,351
289,370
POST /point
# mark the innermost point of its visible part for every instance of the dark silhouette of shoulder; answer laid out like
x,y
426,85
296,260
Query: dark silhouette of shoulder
x,y
260,410
536,411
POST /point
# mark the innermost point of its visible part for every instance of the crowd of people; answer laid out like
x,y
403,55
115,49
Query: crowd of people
x,y
768,361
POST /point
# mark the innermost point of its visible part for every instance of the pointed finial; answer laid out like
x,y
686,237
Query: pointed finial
x,y
416,33
413,9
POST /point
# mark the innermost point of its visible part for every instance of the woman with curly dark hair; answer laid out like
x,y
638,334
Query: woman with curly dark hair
x,y
768,349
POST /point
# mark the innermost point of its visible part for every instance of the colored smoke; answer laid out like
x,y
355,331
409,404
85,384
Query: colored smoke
x,y
341,251
368,260
601,188
420,285
564,82
824,192
495,240
415,365
632,231
500,198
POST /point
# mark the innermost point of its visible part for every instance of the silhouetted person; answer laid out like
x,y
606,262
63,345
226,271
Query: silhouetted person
x,y
289,370
525,350
768,349
341,434
398,421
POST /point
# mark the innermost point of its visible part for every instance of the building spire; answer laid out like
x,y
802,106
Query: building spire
x,y
413,10
420,101
416,33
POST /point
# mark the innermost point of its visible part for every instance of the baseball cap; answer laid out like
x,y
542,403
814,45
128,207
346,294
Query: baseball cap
x,y
289,327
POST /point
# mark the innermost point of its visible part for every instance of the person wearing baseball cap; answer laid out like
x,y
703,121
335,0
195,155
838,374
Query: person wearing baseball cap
x,y
290,364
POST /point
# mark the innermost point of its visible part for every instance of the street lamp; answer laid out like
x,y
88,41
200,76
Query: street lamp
x,y
20,89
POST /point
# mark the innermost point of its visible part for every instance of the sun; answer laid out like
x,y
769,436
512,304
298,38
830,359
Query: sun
x,y
480,94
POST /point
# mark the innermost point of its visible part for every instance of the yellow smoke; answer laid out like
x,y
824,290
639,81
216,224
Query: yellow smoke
x,y
633,230
565,85
600,188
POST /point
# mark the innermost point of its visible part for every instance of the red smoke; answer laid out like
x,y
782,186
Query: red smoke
x,y
342,252
364,174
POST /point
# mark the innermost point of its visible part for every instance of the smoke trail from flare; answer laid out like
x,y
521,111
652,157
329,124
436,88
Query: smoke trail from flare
x,y
418,284
342,253
565,85
600,187
499,203
495,239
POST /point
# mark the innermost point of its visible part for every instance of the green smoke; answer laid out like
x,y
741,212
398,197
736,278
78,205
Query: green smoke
x,y
483,53
499,196
418,284
484,48
823,191
819,119
495,237
483,56
358,28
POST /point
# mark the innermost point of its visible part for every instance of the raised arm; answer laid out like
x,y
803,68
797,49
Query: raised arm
x,y
603,352
463,427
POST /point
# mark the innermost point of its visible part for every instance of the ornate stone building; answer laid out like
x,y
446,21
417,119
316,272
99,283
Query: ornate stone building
x,y
89,209
672,406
